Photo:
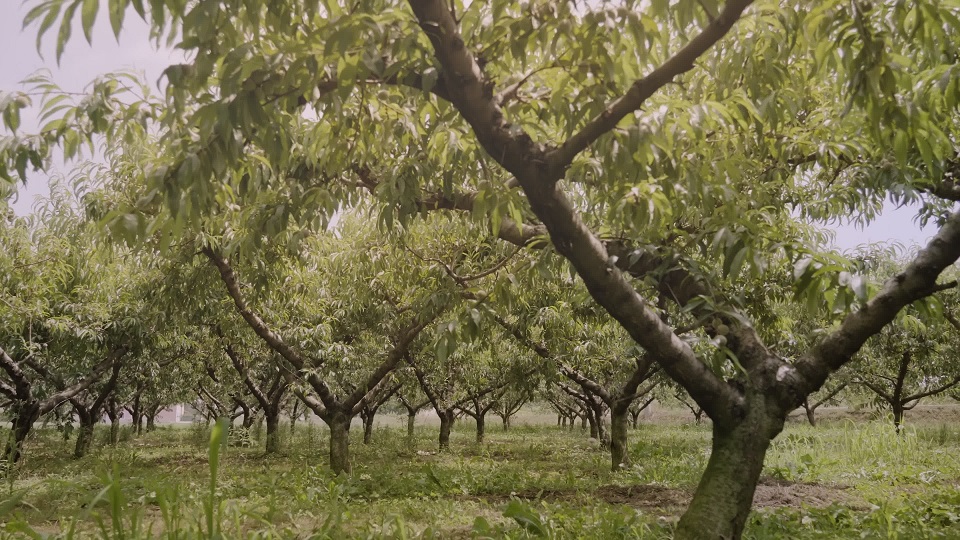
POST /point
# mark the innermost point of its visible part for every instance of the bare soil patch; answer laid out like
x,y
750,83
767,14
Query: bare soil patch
x,y
775,493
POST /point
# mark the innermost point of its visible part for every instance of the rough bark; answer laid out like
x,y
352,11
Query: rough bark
x,y
411,419
724,496
811,413
295,414
339,424
84,435
24,416
603,434
619,452
113,413
446,423
367,427
481,426
273,427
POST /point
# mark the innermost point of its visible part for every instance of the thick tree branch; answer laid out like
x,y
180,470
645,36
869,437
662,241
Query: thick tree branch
x,y
916,281
244,373
933,391
21,384
397,353
586,383
93,376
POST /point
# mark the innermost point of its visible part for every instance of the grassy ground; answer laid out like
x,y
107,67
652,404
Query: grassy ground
x,y
839,480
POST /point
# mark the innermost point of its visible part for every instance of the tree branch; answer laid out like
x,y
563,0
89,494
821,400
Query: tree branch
x,y
641,90
916,281
64,394
260,327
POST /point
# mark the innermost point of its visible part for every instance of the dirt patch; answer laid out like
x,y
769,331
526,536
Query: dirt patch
x,y
644,496
771,493
775,493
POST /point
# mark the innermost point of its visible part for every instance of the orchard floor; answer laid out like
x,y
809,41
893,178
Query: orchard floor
x,y
842,479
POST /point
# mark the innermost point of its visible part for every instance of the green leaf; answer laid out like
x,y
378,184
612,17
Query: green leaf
x,y
430,76
54,10
88,15
526,517
117,9
900,143
66,26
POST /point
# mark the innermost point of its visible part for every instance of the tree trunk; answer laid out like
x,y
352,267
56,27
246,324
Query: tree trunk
x,y
481,426
619,453
594,431
506,422
84,436
25,416
339,424
411,418
152,418
446,422
114,416
603,435
136,414
273,426
634,418
724,496
368,428
583,425
898,410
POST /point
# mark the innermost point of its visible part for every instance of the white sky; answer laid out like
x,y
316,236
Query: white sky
x,y
81,63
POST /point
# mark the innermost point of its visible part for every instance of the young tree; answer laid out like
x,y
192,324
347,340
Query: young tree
x,y
265,382
362,297
67,316
908,361
381,394
411,398
89,411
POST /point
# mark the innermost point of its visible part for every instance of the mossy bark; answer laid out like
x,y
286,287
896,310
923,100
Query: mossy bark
x,y
368,429
619,454
724,496
446,423
23,420
339,424
273,427
84,439
411,420
481,427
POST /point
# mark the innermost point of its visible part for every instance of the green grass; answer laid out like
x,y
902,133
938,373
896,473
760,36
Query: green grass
x,y
859,480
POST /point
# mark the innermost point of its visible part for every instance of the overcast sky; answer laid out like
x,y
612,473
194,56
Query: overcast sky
x,y
81,63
